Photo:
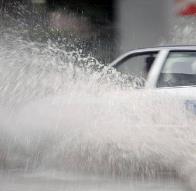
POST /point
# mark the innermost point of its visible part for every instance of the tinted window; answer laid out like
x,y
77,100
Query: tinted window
x,y
179,70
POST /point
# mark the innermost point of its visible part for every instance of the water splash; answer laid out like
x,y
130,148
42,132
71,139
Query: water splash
x,y
62,110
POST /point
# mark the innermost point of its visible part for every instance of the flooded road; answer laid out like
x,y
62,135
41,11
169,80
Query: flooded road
x,y
58,113
54,182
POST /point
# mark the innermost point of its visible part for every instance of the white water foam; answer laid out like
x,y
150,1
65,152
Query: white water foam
x,y
58,111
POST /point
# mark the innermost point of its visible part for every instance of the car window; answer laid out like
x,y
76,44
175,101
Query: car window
x,y
179,69
137,65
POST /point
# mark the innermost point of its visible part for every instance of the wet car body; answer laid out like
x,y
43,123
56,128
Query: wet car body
x,y
172,70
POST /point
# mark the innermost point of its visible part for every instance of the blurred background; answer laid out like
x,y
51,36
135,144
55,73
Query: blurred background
x,y
107,28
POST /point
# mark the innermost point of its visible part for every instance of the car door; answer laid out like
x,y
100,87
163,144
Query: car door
x,y
177,77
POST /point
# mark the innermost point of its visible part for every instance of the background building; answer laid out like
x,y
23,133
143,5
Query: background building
x,y
107,28
142,23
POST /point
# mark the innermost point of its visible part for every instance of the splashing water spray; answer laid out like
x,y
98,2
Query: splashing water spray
x,y
60,110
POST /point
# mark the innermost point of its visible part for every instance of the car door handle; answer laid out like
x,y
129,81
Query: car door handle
x,y
190,105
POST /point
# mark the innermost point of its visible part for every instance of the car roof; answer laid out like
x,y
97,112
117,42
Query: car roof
x,y
158,48
168,47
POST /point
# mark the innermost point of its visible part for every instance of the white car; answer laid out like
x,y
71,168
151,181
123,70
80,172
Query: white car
x,y
171,70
